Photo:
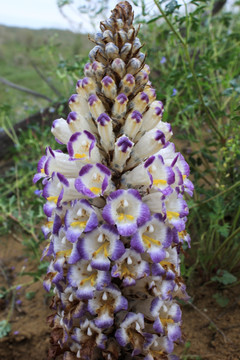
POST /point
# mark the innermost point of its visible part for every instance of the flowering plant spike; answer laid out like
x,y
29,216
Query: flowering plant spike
x,y
115,210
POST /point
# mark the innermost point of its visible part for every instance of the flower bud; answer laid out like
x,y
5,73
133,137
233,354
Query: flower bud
x,y
133,66
88,70
112,51
109,87
89,86
152,117
105,130
119,108
132,124
95,105
79,105
126,51
98,69
122,150
107,36
140,102
127,84
118,66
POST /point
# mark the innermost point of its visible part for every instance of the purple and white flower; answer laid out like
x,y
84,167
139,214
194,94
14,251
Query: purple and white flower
x,y
126,210
83,146
100,246
153,237
93,180
131,331
105,304
168,318
87,280
80,217
87,333
130,267
58,190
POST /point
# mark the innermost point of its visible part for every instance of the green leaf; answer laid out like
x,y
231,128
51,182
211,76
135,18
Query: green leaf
x,y
5,328
224,277
3,291
172,6
62,3
221,299
224,230
154,19
30,295
228,91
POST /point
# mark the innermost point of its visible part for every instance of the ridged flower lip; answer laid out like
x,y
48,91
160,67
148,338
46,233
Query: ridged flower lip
x,y
130,267
80,217
93,180
126,210
100,246
73,143
105,303
86,280
152,237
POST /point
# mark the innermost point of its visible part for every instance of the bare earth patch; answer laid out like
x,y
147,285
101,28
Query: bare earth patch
x,y
28,338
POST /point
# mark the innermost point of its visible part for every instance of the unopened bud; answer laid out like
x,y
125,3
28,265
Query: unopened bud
x,y
126,51
88,70
127,84
122,150
140,102
133,66
109,87
152,117
118,66
132,124
105,130
107,36
89,86
112,50
98,69
150,91
120,107
95,105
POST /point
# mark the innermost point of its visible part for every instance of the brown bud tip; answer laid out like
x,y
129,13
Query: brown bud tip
x,y
123,11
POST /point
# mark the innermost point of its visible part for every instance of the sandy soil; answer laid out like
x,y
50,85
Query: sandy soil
x,y
28,338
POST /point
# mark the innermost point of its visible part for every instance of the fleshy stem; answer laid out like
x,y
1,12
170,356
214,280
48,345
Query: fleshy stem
x,y
208,112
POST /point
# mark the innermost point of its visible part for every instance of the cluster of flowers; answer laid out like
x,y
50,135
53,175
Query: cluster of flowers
x,y
115,209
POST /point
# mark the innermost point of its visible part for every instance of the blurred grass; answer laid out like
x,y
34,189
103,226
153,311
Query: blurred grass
x,y
19,48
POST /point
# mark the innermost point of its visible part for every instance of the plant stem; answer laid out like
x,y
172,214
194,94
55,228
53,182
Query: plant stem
x,y
208,112
215,196
224,243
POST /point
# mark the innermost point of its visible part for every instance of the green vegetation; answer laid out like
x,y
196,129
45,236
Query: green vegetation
x,y
194,58
27,54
